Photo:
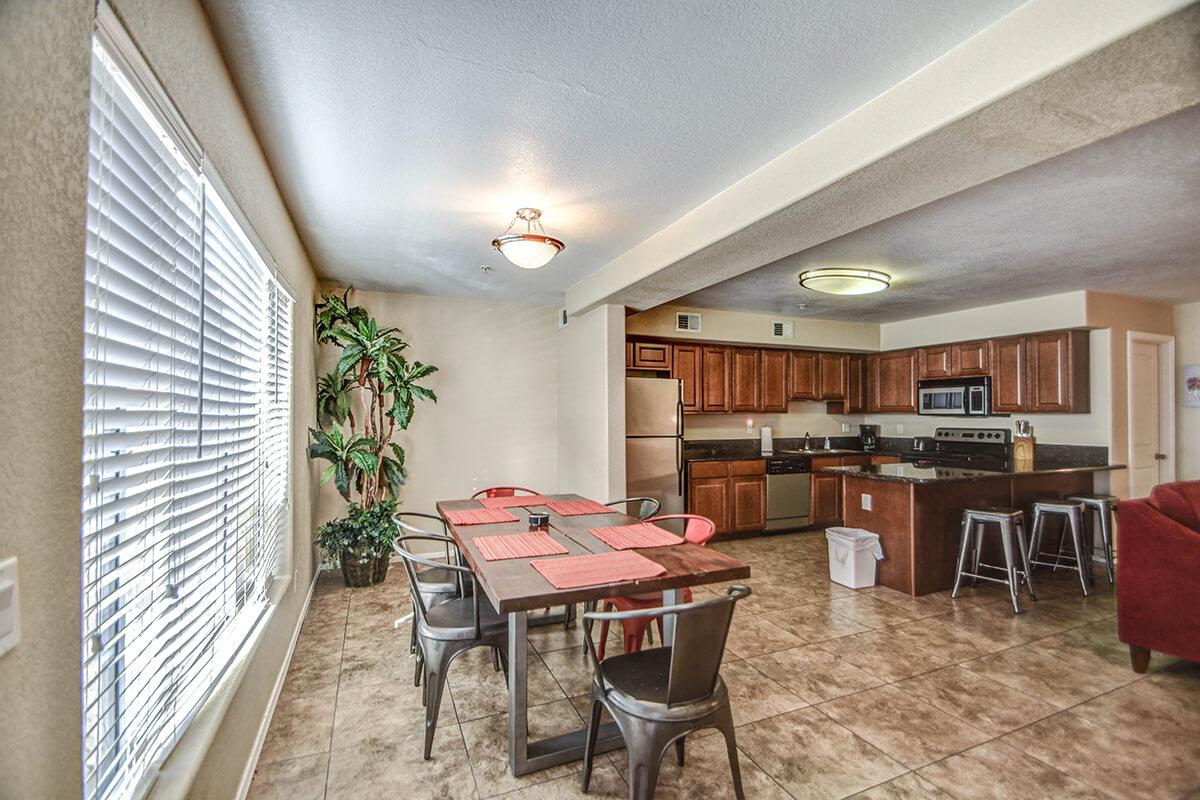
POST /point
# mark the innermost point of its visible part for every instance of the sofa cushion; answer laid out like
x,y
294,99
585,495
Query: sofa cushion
x,y
1180,501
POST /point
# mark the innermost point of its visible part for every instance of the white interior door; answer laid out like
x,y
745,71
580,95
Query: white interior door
x,y
1144,421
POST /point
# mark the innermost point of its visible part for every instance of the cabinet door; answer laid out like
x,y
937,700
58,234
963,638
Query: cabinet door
x,y
709,497
936,361
971,358
748,502
1059,379
714,379
775,380
629,354
746,383
856,461
878,459
685,366
825,502
856,384
1009,375
832,369
651,355
806,380
894,382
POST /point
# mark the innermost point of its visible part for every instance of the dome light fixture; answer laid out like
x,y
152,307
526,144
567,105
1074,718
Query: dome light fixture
x,y
845,280
528,250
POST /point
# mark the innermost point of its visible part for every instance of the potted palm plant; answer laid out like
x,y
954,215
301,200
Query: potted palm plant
x,y
370,395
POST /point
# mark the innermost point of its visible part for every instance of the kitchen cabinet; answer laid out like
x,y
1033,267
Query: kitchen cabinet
x,y
714,379
856,460
855,401
1059,377
1009,375
733,494
935,362
745,384
805,376
892,382
651,355
885,459
971,359
831,367
824,501
775,381
961,360
628,355
686,367
709,497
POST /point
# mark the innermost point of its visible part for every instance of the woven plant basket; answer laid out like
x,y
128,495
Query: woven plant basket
x,y
359,573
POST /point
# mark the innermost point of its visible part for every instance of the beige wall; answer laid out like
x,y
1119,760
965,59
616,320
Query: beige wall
x,y
747,328
591,404
1067,310
1187,420
495,421
44,79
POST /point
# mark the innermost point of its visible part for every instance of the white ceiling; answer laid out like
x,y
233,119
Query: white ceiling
x,y
403,135
1121,215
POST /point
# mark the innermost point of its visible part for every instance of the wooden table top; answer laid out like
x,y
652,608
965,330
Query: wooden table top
x,y
514,585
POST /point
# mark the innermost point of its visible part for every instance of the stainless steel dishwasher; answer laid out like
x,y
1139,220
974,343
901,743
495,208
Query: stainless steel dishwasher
x,y
788,492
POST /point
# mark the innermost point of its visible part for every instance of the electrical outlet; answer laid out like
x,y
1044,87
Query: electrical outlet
x,y
899,428
866,502
845,427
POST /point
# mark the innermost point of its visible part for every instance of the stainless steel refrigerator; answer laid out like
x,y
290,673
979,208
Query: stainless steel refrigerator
x,y
654,441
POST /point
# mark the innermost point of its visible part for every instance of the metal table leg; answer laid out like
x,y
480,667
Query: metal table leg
x,y
671,597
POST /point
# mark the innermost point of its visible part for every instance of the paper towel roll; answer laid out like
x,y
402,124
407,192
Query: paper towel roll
x,y
768,446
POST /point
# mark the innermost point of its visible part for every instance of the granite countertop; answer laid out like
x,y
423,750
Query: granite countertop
x,y
911,473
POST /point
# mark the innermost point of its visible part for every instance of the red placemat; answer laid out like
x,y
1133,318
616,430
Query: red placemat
x,y
513,500
628,537
518,545
577,508
479,516
598,569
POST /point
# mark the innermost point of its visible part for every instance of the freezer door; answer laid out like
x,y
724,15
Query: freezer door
x,y
653,407
652,470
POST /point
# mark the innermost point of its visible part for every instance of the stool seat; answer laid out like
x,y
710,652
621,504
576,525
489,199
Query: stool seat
x,y
1101,506
1011,524
1058,506
993,513
1095,499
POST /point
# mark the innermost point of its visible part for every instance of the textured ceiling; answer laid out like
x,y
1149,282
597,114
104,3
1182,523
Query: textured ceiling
x,y
403,135
1121,215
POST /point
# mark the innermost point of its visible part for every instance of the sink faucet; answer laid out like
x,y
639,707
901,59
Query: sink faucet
x,y
807,443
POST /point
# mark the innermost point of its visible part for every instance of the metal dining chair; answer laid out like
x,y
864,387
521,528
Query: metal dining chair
x,y
658,696
502,491
436,584
448,629
647,506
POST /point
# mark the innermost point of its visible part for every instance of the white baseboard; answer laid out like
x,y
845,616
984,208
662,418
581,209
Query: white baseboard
x,y
265,724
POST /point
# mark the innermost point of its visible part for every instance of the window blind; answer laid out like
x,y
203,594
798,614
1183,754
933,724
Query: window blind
x,y
187,383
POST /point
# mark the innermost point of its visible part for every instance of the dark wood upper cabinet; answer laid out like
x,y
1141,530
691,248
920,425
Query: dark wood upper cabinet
x,y
775,380
805,376
856,384
935,362
1009,375
892,378
832,369
746,381
685,366
651,355
714,380
629,354
971,358
1059,372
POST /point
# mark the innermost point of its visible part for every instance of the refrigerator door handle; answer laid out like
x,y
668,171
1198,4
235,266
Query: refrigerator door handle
x,y
679,464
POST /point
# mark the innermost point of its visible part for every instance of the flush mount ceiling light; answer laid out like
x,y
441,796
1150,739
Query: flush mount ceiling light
x,y
842,280
528,250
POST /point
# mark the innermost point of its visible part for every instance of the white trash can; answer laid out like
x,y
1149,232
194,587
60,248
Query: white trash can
x,y
853,553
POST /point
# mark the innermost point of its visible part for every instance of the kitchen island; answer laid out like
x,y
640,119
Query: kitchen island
x,y
917,511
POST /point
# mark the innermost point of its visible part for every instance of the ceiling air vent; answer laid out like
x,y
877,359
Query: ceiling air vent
x,y
687,322
781,330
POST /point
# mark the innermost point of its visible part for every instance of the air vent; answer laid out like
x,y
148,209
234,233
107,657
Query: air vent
x,y
781,330
687,322
562,318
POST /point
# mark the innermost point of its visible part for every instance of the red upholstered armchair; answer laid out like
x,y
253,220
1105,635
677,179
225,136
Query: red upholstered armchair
x,y
1158,573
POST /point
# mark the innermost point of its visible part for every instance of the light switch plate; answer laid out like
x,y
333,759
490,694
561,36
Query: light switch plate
x,y
845,427
899,428
866,502
10,606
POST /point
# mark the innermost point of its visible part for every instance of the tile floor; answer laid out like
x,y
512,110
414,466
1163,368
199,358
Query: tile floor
x,y
836,693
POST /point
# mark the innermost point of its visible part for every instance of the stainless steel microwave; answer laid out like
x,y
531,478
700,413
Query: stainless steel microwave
x,y
968,397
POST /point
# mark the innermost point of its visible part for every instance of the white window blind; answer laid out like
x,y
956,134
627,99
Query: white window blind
x,y
187,383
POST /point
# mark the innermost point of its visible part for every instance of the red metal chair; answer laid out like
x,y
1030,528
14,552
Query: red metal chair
x,y
697,530
501,491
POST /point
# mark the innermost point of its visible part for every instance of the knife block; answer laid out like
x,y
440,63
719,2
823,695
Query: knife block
x,y
1023,447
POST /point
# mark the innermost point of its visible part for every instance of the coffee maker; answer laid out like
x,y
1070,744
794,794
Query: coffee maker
x,y
869,436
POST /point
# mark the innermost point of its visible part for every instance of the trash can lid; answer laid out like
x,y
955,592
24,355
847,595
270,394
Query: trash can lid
x,y
855,538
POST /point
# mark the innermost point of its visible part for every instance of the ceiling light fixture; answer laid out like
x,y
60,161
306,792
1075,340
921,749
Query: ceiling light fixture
x,y
843,280
528,250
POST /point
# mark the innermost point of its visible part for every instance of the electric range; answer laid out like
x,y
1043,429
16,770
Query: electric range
x,y
986,449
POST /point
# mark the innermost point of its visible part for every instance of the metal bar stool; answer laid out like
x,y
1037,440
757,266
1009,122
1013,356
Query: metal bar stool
x,y
1102,506
1011,523
1072,514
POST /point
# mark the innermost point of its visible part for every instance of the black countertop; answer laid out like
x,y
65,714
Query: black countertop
x,y
911,473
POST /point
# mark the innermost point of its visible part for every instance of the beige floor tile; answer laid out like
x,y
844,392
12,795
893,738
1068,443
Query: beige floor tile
x,y
981,702
479,691
884,654
944,640
813,757
572,669
938,602
752,636
907,787
371,717
866,610
300,778
706,774
314,670
395,769
907,729
1164,705
813,674
487,747
606,784
367,663
995,770
301,726
754,696
815,622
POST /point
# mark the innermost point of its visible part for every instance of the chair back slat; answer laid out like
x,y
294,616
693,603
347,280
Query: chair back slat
x,y
700,634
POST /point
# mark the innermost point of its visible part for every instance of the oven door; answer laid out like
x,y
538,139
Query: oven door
x,y
949,401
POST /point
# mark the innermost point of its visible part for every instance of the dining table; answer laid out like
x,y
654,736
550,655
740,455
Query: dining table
x,y
515,588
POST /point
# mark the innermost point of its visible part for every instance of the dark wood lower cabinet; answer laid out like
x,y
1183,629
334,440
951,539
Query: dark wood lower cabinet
x,y
733,494
748,498
709,497
826,490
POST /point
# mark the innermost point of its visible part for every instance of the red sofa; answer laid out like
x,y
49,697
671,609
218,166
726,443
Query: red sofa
x,y
1158,573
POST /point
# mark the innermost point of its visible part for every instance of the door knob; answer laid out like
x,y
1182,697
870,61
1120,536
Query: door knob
x,y
1160,456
